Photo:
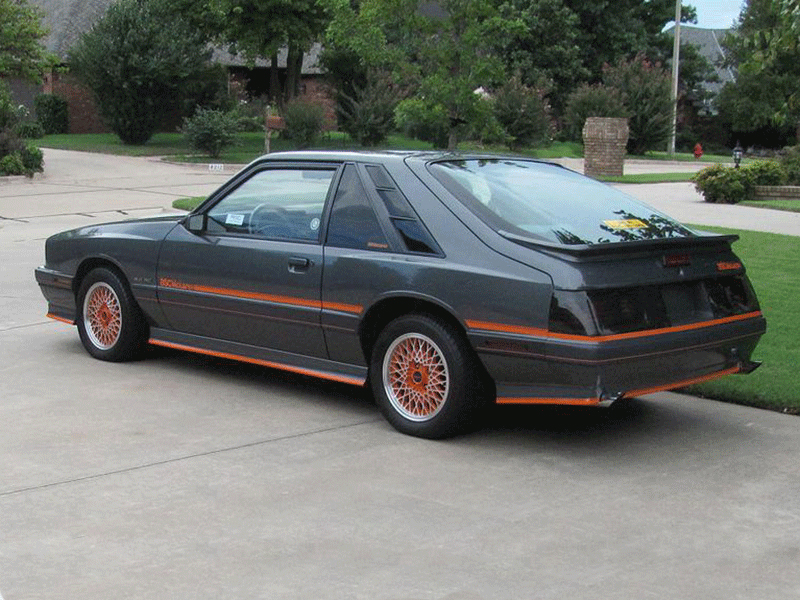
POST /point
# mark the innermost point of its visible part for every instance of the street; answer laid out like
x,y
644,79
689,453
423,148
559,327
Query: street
x,y
184,476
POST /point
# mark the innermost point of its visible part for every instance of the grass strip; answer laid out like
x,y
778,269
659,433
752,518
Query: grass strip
x,y
773,265
650,178
787,205
188,204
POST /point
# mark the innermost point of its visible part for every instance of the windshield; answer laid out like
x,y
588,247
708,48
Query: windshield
x,y
546,202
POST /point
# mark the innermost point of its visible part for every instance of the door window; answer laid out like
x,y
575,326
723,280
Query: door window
x,y
284,203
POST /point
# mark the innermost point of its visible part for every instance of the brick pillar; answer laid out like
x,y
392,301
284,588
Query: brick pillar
x,y
604,140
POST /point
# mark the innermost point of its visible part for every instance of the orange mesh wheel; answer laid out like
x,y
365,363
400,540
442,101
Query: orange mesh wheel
x,y
102,316
426,378
416,377
111,324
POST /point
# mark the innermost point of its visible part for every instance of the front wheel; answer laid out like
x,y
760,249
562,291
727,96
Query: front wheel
x,y
425,377
110,324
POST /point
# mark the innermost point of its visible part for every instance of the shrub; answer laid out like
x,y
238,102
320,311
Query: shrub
x,y
52,112
721,184
8,113
29,129
368,115
485,128
210,131
523,113
790,161
304,122
645,90
765,172
9,142
32,159
11,164
591,101
424,122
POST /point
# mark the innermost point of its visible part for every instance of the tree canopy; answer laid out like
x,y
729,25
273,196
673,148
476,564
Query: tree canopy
x,y
21,51
257,29
765,52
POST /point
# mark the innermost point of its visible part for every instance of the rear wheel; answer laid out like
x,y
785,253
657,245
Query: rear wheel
x,y
425,377
111,325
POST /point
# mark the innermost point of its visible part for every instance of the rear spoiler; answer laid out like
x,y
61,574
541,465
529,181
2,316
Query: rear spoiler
x,y
596,250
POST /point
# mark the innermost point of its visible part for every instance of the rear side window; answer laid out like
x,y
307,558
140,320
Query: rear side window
x,y
353,222
403,218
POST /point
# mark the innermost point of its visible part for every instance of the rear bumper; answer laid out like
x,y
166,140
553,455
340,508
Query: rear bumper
x,y
57,290
543,368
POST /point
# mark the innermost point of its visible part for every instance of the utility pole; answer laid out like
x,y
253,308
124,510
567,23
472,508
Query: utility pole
x,y
676,56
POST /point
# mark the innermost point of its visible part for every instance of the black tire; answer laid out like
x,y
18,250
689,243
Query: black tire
x,y
110,323
425,378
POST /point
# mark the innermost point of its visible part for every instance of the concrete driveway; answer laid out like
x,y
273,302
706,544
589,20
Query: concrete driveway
x,y
182,476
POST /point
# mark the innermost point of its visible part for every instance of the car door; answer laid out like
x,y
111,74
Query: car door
x,y
251,273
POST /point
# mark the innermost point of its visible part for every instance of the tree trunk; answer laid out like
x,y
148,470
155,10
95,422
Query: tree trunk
x,y
452,140
294,64
274,80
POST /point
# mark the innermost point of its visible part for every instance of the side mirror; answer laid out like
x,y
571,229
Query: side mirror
x,y
195,223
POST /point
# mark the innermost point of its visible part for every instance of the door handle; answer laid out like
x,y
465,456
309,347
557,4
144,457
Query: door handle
x,y
298,264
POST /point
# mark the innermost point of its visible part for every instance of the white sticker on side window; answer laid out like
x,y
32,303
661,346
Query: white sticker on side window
x,y
234,219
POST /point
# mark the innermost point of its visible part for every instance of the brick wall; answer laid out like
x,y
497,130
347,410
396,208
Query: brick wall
x,y
84,117
604,141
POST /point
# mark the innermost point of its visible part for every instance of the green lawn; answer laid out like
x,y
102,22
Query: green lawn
x,y
250,145
773,265
789,205
688,157
650,178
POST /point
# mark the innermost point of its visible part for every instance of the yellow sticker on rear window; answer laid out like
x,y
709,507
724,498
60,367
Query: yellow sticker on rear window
x,y
626,224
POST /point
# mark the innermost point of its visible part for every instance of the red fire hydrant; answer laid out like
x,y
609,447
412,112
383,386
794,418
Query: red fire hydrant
x,y
698,150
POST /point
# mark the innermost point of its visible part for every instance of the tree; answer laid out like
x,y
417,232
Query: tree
x,y
439,55
21,51
139,60
645,90
615,29
540,51
258,29
765,51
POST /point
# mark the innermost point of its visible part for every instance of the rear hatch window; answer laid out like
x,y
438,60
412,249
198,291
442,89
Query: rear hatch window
x,y
546,202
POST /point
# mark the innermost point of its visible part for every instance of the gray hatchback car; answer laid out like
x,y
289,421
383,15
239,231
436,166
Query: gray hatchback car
x,y
445,282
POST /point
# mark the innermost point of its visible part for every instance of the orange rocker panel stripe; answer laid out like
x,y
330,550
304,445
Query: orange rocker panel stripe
x,y
255,361
179,285
630,394
62,319
263,363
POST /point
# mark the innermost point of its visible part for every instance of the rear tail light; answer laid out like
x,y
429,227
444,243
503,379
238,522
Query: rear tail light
x,y
623,310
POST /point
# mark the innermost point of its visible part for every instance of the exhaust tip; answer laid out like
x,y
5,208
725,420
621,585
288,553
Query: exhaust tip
x,y
747,367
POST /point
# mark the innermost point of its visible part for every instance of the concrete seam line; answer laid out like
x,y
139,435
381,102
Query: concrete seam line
x,y
187,457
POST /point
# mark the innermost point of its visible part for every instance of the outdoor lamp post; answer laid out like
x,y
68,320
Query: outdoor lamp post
x,y
737,155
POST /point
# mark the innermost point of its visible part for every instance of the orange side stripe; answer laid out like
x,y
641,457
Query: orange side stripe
x,y
290,300
562,401
263,363
533,331
672,386
62,319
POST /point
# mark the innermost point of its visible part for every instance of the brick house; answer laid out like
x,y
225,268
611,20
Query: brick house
x,y
67,20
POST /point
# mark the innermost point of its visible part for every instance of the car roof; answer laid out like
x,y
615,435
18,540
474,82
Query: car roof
x,y
384,156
